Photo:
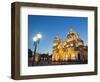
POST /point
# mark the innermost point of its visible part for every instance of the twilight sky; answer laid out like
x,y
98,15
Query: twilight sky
x,y
50,26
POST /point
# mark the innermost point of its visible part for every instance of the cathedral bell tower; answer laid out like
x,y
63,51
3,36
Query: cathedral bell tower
x,y
55,51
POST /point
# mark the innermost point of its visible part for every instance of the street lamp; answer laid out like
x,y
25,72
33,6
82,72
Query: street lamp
x,y
36,40
37,37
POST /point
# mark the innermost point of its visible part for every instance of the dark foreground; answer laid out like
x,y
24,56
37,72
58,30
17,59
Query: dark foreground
x,y
49,62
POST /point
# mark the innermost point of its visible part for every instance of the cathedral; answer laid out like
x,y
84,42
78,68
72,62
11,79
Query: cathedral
x,y
72,48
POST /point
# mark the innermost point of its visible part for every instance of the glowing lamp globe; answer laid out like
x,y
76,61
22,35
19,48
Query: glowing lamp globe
x,y
39,36
35,39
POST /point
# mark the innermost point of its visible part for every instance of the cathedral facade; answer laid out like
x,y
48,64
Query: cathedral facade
x,y
72,48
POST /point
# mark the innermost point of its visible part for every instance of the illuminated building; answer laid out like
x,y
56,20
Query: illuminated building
x,y
72,48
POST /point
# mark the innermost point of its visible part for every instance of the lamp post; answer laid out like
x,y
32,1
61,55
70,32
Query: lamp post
x,y
36,40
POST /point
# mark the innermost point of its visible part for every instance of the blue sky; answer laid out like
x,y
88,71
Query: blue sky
x,y
50,26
